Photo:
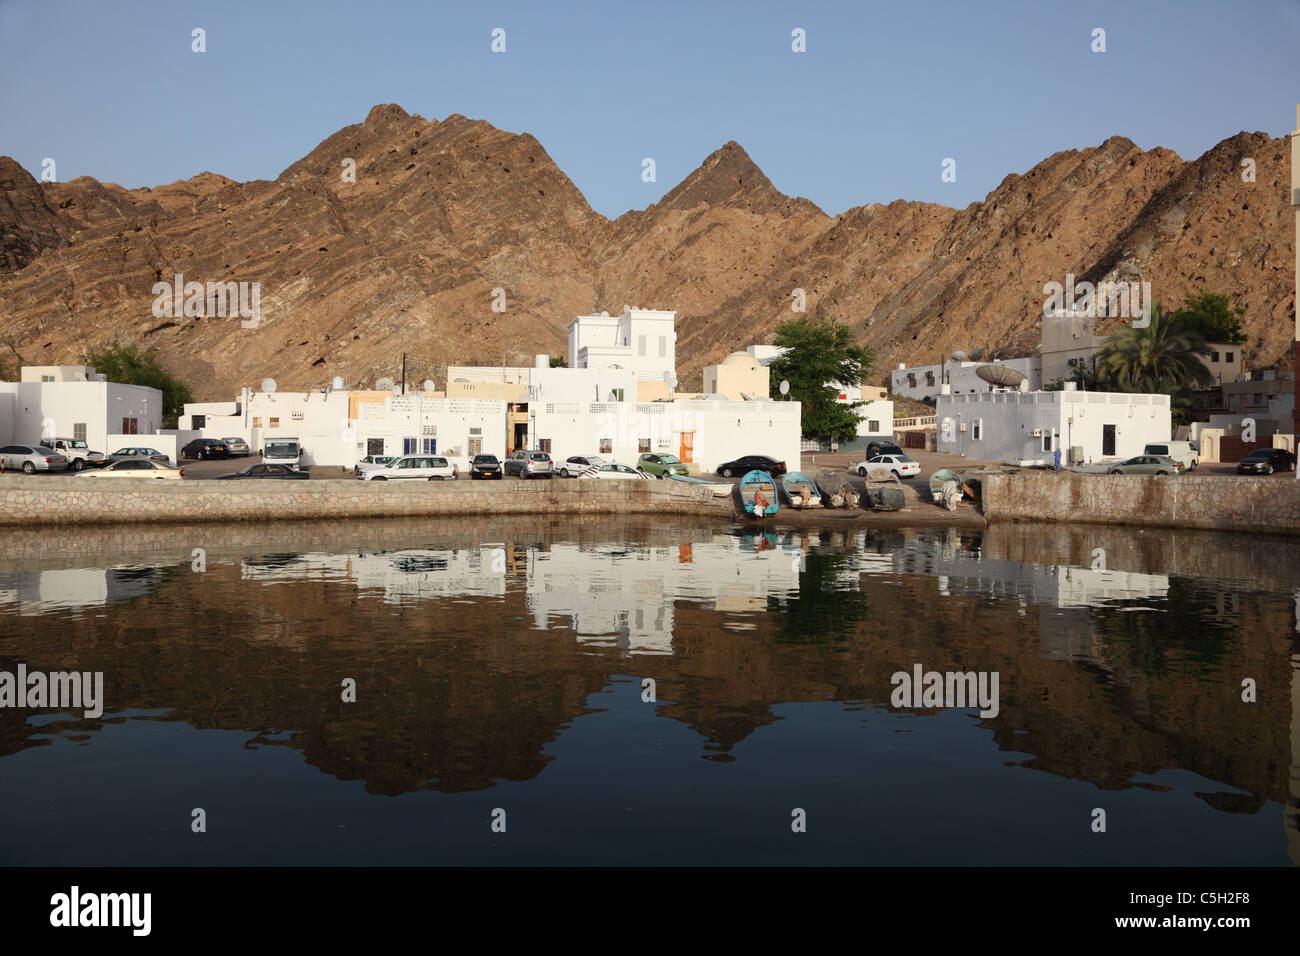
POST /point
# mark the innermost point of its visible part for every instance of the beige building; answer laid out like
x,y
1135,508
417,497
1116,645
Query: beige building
x,y
60,373
1226,362
739,377
1068,342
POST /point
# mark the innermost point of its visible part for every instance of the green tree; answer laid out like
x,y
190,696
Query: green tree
x,y
124,362
1213,317
557,362
820,355
1164,357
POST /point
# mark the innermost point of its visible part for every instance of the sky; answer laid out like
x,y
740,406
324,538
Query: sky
x,y
881,96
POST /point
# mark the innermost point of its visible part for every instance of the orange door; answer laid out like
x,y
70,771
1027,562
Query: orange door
x,y
687,446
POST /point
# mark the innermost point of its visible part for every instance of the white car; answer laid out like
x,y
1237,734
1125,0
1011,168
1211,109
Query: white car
x,y
135,468
424,467
612,472
572,467
900,465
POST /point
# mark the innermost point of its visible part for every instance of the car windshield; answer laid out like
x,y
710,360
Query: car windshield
x,y
75,444
1258,455
670,459
485,459
287,448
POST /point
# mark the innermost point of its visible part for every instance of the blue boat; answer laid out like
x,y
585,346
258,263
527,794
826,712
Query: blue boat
x,y
758,494
800,490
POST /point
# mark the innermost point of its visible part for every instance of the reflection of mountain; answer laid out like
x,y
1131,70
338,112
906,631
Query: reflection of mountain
x,y
466,676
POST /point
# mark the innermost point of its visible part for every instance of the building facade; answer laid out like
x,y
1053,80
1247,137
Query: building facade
x,y
75,402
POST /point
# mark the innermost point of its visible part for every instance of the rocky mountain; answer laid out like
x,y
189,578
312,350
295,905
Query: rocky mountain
x,y
394,235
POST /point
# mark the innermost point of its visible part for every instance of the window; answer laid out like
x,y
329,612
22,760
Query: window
x,y
616,394
475,446
643,444
1227,356
607,446
296,416
1047,441
663,346
47,378
429,446
79,431
257,422
275,423
409,445
199,421
911,380
1214,357
476,431
640,345
873,426
544,445
929,378
977,429
130,426
374,446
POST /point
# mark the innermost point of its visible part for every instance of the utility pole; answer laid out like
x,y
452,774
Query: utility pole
x,y
403,373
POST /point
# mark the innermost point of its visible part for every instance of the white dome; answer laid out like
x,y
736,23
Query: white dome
x,y
741,359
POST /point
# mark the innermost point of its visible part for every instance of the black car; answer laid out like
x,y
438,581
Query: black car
x,y
484,466
1265,461
751,463
205,448
883,448
267,471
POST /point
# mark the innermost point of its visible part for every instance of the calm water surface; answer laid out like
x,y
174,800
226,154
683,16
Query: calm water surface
x,y
501,669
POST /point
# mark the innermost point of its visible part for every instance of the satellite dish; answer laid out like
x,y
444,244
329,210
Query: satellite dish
x,y
268,385
785,387
975,354
338,383
397,391
1003,375
428,385
383,385
959,356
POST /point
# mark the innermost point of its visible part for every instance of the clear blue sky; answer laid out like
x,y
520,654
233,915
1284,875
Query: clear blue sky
x,y
883,94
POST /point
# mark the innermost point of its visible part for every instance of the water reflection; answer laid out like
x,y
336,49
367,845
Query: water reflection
x,y
483,656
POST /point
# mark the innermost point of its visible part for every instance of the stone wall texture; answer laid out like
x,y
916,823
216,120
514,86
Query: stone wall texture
x,y
38,500
1222,503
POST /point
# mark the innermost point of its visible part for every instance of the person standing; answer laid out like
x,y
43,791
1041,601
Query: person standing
x,y
1056,455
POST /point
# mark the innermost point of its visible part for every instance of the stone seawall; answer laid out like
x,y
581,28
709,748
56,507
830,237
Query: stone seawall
x,y
1269,505
41,501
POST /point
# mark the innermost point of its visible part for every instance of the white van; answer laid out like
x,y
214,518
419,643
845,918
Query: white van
x,y
281,451
1183,452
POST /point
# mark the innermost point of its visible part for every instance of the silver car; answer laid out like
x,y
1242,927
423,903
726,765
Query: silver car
x,y
238,447
31,459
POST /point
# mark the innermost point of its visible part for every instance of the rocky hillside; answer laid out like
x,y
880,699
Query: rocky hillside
x,y
405,255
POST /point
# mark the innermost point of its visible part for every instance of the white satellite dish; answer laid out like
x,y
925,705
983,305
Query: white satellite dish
x,y
383,385
959,356
338,383
268,385
785,387
428,385
397,390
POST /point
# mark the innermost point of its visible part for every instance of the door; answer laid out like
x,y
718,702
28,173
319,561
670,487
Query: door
x,y
374,446
1107,440
687,447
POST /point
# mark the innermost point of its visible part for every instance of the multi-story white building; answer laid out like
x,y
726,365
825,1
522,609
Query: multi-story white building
x,y
642,341
1026,428
76,402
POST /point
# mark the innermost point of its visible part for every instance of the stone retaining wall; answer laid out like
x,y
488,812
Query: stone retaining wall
x,y
39,500
1223,503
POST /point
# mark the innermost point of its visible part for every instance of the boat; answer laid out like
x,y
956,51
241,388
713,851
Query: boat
x,y
947,488
758,494
719,489
800,490
836,490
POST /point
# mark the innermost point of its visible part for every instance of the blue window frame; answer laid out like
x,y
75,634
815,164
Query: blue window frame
x,y
409,446
430,446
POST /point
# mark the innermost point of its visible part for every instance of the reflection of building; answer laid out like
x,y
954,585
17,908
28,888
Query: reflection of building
x,y
403,576
40,592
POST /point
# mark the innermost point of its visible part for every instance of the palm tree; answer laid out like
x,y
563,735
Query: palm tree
x,y
1165,356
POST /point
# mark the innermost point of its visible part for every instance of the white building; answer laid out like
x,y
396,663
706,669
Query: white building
x,y
75,402
924,381
643,341
1025,428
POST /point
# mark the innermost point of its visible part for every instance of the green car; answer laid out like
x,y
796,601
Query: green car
x,y
1147,465
660,465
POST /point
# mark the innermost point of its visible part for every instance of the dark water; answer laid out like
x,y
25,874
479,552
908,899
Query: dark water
x,y
499,667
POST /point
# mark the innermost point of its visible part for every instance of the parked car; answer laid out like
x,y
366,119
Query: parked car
x,y
1265,461
78,453
135,468
750,463
370,462
661,464
420,467
31,459
152,454
485,466
883,448
613,472
1147,465
572,467
530,464
1183,452
267,471
900,465
205,448
238,447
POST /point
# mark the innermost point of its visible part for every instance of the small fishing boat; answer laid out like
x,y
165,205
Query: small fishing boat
x,y
719,489
758,494
947,488
800,490
836,490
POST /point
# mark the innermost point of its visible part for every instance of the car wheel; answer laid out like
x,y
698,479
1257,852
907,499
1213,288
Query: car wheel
x,y
726,473
564,473
895,473
1268,470
29,468
78,464
1162,473
379,478
1116,471
862,472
